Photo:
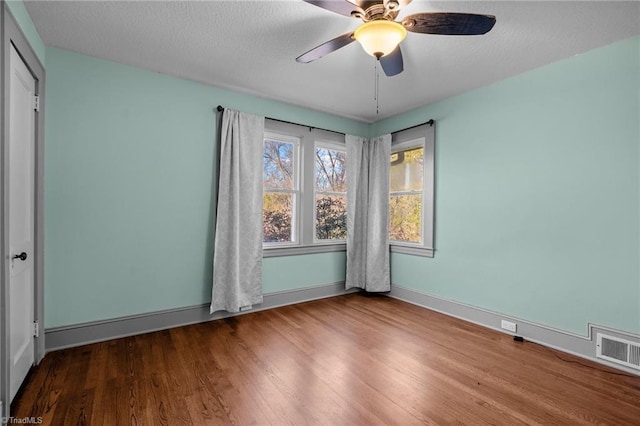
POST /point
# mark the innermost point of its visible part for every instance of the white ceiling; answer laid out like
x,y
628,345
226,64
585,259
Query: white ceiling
x,y
251,46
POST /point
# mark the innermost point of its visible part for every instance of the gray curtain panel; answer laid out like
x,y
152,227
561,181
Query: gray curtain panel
x,y
237,258
367,213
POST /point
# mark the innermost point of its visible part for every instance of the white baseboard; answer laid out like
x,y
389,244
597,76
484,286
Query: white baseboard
x,y
575,344
97,331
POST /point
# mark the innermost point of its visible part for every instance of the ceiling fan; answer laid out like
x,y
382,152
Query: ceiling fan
x,y
380,35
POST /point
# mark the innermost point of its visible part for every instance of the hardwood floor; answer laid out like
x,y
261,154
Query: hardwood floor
x,y
346,360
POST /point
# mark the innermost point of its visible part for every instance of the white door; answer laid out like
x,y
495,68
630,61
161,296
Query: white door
x,y
21,220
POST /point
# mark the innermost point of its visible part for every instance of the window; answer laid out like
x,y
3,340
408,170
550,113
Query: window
x,y
405,195
304,190
280,189
411,189
330,193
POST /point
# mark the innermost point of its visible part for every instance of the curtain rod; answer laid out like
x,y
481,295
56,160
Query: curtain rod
x,y
429,122
221,108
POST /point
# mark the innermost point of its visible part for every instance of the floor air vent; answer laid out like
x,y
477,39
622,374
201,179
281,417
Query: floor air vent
x,y
619,351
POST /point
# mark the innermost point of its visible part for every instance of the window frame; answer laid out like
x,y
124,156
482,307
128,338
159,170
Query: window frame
x,y
415,137
305,218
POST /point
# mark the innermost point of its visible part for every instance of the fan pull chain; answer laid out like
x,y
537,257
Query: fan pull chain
x,y
376,87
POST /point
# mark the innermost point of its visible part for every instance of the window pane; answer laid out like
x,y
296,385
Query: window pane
x,y
277,164
331,217
330,170
277,217
406,172
405,218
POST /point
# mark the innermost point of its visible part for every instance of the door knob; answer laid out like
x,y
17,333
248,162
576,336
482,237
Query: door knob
x,y
22,256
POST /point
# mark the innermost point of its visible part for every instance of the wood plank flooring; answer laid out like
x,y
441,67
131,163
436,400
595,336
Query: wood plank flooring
x,y
348,360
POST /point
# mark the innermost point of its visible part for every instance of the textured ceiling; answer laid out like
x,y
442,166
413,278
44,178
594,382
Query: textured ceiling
x,y
251,46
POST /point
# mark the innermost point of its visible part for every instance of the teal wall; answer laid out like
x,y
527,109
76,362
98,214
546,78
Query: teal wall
x,y
537,194
129,191
23,19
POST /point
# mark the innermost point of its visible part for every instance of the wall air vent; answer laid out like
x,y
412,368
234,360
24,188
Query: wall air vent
x,y
619,351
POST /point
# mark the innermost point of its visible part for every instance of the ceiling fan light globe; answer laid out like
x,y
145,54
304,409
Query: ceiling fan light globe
x,y
380,37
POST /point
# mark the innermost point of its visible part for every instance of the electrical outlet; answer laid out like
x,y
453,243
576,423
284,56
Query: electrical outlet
x,y
508,325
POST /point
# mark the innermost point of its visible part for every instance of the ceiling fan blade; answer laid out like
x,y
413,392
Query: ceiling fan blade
x,y
392,64
449,23
326,48
341,7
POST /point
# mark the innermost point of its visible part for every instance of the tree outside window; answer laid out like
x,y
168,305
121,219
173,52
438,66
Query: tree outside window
x,y
330,194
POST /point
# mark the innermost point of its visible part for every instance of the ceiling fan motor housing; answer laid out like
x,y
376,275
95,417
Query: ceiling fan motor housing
x,y
375,10
379,11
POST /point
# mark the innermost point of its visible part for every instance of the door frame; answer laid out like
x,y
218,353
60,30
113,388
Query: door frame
x,y
12,34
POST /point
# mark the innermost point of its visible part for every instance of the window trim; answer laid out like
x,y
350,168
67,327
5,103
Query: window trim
x,y
308,136
403,140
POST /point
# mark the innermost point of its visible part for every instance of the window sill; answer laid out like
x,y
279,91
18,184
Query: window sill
x,y
328,248
414,251
300,250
